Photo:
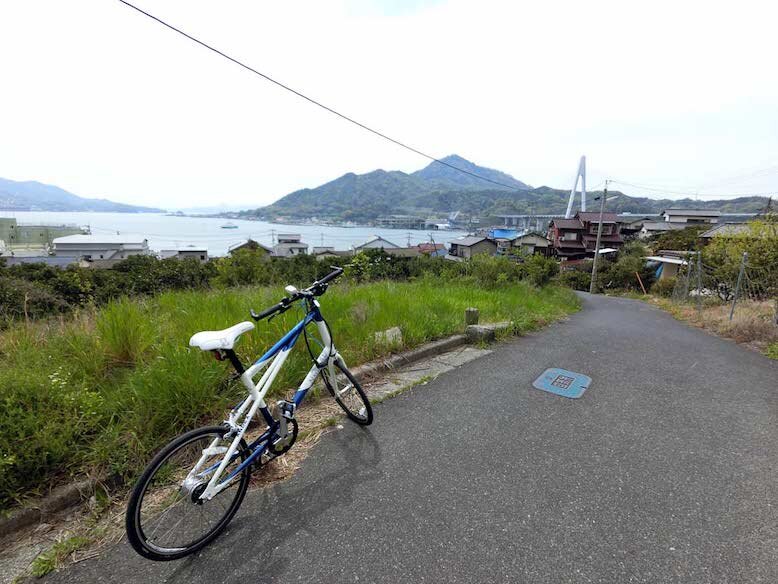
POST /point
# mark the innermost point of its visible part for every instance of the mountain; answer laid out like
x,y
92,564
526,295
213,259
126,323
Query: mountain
x,y
445,177
438,190
35,196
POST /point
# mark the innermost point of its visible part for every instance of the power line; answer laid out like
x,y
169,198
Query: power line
x,y
317,103
687,193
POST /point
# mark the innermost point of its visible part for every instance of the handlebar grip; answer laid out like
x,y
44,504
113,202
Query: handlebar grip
x,y
332,275
267,312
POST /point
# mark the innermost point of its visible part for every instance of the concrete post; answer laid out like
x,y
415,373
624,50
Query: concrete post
x,y
471,316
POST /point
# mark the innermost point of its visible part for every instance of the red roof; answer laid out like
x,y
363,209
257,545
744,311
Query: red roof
x,y
568,223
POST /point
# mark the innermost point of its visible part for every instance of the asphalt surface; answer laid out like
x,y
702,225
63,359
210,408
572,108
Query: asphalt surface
x,y
666,470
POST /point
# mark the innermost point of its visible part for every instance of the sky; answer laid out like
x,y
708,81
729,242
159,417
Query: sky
x,y
678,98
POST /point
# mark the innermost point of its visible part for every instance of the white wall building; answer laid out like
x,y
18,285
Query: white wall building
x,y
199,253
691,216
100,247
289,244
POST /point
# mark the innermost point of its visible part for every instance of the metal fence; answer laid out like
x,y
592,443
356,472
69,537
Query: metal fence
x,y
698,282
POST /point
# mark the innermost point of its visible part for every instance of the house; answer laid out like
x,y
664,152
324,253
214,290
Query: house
x,y
576,238
375,242
675,218
467,247
249,244
289,244
690,216
101,247
523,242
656,227
631,225
199,253
532,242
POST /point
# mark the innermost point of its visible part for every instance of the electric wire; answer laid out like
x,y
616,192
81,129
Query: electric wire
x,y
315,102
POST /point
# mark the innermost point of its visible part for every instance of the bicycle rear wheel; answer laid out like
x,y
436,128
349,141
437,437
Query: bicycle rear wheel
x,y
346,390
166,519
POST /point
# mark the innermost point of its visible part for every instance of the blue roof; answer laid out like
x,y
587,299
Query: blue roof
x,y
503,233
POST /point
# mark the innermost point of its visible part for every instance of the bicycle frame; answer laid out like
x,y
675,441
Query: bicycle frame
x,y
240,417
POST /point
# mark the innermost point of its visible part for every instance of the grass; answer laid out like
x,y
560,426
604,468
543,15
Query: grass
x,y
101,391
53,557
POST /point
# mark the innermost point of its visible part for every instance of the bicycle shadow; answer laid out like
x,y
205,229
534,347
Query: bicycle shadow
x,y
254,545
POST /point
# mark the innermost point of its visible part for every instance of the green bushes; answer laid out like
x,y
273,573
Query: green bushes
x,y
664,287
105,389
576,279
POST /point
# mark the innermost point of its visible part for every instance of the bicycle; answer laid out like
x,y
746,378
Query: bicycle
x,y
194,486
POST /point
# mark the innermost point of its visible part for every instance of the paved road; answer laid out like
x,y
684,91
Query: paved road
x,y
665,471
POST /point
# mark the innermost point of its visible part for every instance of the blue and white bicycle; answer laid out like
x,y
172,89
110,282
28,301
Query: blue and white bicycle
x,y
193,487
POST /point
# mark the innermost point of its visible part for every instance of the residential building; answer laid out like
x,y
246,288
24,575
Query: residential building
x,y
690,216
532,242
576,238
656,227
467,247
200,253
375,242
251,245
289,244
101,247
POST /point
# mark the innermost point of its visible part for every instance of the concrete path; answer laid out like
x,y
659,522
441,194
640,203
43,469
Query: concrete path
x,y
666,470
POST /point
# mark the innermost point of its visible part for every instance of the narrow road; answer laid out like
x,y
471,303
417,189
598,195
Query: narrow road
x,y
666,470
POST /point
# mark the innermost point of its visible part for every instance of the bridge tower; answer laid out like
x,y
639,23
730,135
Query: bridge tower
x,y
581,174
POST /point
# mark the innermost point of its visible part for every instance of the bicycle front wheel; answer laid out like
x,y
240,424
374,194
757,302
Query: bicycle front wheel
x,y
166,519
346,390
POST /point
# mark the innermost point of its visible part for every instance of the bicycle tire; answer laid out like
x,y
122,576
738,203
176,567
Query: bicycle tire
x,y
134,523
363,415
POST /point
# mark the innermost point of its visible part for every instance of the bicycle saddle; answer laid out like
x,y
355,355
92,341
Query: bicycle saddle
x,y
225,339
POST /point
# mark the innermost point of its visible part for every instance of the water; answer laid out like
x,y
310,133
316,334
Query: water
x,y
166,232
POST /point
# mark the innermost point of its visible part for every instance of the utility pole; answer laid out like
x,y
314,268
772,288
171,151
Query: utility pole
x,y
593,284
273,236
737,286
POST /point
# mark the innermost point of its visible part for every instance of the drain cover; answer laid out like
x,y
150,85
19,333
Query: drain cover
x,y
563,382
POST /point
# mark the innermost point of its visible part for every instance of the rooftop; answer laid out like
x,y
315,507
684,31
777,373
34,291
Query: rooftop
x,y
726,229
568,223
101,239
468,241
592,216
700,212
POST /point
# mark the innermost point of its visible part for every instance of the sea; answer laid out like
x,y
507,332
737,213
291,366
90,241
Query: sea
x,y
169,231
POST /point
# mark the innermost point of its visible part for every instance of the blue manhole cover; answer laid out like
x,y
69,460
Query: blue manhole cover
x,y
563,382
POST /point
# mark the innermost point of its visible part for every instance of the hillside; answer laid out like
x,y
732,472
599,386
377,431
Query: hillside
x,y
35,196
438,190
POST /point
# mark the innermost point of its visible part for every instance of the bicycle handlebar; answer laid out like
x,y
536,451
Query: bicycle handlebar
x,y
318,288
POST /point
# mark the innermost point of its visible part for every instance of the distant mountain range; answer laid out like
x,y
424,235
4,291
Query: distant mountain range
x,y
35,196
438,190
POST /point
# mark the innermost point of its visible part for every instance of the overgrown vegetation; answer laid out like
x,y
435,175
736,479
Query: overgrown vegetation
x,y
35,291
103,389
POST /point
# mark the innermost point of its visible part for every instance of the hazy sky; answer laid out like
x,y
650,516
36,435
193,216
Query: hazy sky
x,y
104,102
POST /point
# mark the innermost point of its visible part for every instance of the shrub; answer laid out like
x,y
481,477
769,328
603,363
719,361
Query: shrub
x,y
575,279
22,299
664,287
539,270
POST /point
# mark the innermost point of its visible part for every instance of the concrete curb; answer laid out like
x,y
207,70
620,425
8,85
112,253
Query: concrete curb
x,y
71,495
59,499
